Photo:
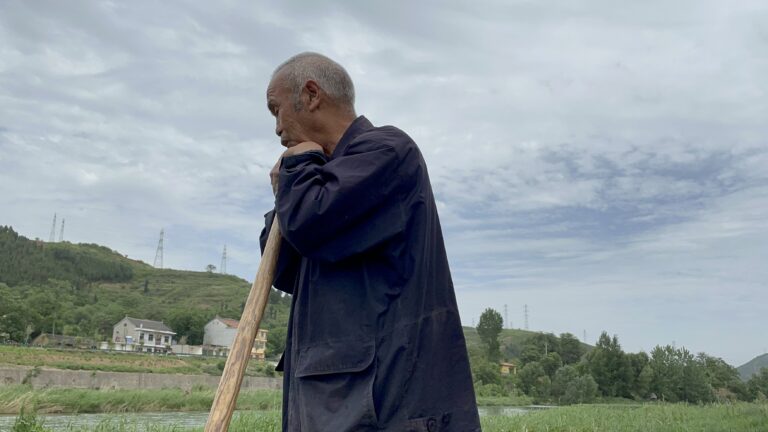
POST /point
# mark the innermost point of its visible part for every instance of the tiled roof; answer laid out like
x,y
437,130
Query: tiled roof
x,y
150,325
233,323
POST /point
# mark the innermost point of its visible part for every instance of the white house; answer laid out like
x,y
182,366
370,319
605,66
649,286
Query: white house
x,y
220,335
133,334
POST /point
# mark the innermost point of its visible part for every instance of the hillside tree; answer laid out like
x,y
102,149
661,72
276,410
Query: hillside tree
x,y
489,328
610,367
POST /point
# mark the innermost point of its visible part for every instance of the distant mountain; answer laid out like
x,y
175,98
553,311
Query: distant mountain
x,y
753,366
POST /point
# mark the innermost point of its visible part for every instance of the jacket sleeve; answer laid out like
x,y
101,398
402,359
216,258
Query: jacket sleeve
x,y
331,210
288,260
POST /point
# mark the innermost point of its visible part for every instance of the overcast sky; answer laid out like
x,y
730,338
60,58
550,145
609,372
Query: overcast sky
x,y
605,163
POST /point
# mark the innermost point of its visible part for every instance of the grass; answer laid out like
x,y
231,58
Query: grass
x,y
504,400
744,417
118,362
267,421
14,398
622,418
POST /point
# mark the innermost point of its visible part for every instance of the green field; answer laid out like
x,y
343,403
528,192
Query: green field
x,y
15,398
654,418
121,362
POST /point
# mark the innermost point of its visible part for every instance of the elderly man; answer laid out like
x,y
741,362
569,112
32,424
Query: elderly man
x,y
374,338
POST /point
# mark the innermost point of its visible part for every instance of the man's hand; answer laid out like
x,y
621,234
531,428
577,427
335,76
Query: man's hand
x,y
304,147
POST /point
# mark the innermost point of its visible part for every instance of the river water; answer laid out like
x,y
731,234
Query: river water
x,y
60,422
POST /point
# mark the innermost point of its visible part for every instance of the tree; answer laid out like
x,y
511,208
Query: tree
x,y
538,346
719,373
487,373
581,390
610,367
551,363
679,376
189,323
276,341
570,348
13,324
562,378
489,328
532,379
637,363
758,384
210,268
644,382
570,387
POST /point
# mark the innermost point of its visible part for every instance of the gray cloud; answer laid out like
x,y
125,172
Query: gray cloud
x,y
601,162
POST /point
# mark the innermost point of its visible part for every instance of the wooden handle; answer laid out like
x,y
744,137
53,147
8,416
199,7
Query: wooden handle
x,y
232,377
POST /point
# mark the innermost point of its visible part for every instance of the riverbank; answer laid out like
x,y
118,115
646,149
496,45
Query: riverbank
x,y
15,398
746,417
105,361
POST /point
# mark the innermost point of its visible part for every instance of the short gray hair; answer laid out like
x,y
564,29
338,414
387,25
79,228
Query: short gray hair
x,y
328,74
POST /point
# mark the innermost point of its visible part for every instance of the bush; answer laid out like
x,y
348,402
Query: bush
x,y
27,422
580,390
490,390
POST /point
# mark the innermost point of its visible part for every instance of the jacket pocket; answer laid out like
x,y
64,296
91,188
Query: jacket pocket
x,y
335,386
335,357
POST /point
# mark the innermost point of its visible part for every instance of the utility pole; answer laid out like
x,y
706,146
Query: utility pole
x,y
52,238
61,233
506,317
159,251
525,312
223,267
584,336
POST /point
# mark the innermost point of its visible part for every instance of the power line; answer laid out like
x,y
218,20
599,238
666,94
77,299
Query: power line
x,y
61,233
159,251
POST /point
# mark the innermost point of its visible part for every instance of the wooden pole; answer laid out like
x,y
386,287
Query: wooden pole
x,y
232,377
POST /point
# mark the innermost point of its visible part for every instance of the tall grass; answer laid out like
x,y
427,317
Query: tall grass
x,y
741,417
269,421
14,398
121,362
622,418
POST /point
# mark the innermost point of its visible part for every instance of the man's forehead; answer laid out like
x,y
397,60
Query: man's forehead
x,y
276,83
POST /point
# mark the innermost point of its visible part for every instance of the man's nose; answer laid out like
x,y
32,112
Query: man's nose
x,y
278,128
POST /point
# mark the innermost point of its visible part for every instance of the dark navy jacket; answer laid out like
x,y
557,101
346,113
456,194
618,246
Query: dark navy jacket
x,y
374,338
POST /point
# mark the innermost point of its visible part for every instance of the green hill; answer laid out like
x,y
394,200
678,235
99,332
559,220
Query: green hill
x,y
84,289
753,366
512,341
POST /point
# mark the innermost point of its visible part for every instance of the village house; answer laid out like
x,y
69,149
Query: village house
x,y
508,368
132,334
220,335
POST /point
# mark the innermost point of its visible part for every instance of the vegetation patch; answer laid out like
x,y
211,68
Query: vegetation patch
x,y
14,399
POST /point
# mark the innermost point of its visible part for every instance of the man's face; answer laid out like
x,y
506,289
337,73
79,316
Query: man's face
x,y
290,125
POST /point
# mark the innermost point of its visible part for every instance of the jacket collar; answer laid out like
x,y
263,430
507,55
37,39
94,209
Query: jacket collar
x,y
358,126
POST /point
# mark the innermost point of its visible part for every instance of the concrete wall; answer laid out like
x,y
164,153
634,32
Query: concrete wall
x,y
56,378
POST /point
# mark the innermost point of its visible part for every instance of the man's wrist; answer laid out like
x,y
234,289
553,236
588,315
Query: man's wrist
x,y
290,161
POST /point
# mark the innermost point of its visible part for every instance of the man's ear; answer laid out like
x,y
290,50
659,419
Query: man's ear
x,y
313,92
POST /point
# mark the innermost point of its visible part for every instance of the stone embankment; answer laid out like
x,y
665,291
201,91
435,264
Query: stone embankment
x,y
40,378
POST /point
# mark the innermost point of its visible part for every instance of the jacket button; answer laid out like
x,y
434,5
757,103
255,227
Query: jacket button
x,y
432,425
